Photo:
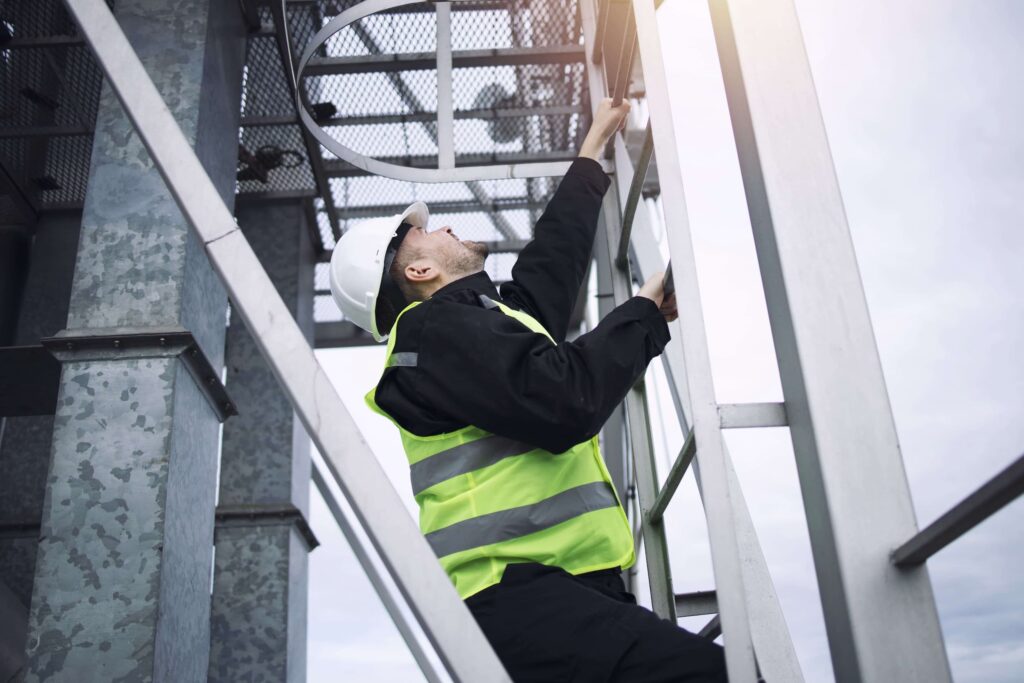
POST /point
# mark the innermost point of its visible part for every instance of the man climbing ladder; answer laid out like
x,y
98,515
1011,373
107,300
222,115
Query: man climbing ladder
x,y
499,415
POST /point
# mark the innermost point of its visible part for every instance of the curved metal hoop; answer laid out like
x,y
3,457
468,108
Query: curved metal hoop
x,y
419,175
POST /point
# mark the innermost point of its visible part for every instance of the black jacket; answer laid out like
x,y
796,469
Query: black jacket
x,y
478,366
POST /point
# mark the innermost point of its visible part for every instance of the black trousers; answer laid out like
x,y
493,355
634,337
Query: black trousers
x,y
548,625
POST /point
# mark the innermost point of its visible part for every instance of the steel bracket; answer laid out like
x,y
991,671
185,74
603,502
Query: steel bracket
x,y
267,515
127,342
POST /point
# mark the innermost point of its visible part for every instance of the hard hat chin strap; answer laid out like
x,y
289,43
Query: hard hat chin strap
x,y
390,300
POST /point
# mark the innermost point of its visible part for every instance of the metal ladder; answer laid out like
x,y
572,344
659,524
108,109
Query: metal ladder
x,y
871,617
611,33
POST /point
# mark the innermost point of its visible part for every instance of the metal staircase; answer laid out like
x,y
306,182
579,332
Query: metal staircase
x,y
881,617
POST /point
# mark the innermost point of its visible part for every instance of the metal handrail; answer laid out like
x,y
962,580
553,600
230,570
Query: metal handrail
x,y
991,497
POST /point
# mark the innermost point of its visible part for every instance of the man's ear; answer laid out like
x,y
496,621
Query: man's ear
x,y
422,271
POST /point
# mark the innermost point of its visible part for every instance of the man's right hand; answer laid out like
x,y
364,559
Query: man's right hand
x,y
654,290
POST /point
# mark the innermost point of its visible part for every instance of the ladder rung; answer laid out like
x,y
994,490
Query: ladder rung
x,y
696,604
749,415
712,629
633,198
675,475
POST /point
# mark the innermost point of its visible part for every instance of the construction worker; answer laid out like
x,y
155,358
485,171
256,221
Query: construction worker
x,y
499,414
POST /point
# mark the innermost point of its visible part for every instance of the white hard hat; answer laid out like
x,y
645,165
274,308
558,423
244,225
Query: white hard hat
x,y
359,268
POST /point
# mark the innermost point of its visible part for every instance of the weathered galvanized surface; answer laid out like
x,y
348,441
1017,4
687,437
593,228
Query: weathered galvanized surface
x,y
259,590
25,445
122,576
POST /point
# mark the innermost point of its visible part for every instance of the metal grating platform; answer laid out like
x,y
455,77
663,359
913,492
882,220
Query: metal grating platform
x,y
519,94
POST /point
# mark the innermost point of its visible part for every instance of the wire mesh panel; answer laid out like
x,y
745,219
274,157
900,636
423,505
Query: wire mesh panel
x,y
49,92
519,93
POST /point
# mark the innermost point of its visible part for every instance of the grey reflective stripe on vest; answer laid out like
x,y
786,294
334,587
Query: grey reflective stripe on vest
x,y
505,525
405,359
464,458
487,301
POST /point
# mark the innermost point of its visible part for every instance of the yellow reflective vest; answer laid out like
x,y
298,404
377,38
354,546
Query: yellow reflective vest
x,y
487,501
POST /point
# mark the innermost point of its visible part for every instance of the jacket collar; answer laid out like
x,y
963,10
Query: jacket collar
x,y
478,282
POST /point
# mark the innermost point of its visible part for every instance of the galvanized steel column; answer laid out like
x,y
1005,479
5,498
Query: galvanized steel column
x,y
25,442
259,586
123,569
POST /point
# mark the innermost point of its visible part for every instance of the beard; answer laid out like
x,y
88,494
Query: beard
x,y
468,259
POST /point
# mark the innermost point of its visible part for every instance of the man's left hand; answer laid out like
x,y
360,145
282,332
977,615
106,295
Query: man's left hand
x,y
607,120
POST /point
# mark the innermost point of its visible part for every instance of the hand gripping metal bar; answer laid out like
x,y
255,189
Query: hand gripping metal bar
x,y
447,622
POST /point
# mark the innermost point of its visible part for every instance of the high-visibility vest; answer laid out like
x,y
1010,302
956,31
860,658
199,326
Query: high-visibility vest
x,y
487,501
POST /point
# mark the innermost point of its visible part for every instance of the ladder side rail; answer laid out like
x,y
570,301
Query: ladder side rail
x,y
380,587
773,644
614,432
447,622
776,655
882,622
613,444
726,556
635,407
641,446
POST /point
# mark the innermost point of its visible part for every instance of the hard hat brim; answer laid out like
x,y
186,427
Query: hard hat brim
x,y
418,215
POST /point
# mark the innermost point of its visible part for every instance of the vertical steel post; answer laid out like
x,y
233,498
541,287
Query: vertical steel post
x,y
445,97
447,621
882,622
25,441
123,568
258,620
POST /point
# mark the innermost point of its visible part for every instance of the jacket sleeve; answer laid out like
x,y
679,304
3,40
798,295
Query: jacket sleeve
x,y
547,276
532,390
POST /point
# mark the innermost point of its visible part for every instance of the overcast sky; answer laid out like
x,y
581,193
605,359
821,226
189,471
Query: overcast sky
x,y
922,101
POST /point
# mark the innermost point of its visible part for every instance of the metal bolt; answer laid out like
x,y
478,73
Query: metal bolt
x,y
211,381
117,343
163,341
70,345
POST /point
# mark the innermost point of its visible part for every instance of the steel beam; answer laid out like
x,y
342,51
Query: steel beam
x,y
970,512
445,98
696,604
553,163
882,623
447,622
316,160
752,415
425,61
712,629
411,117
354,212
